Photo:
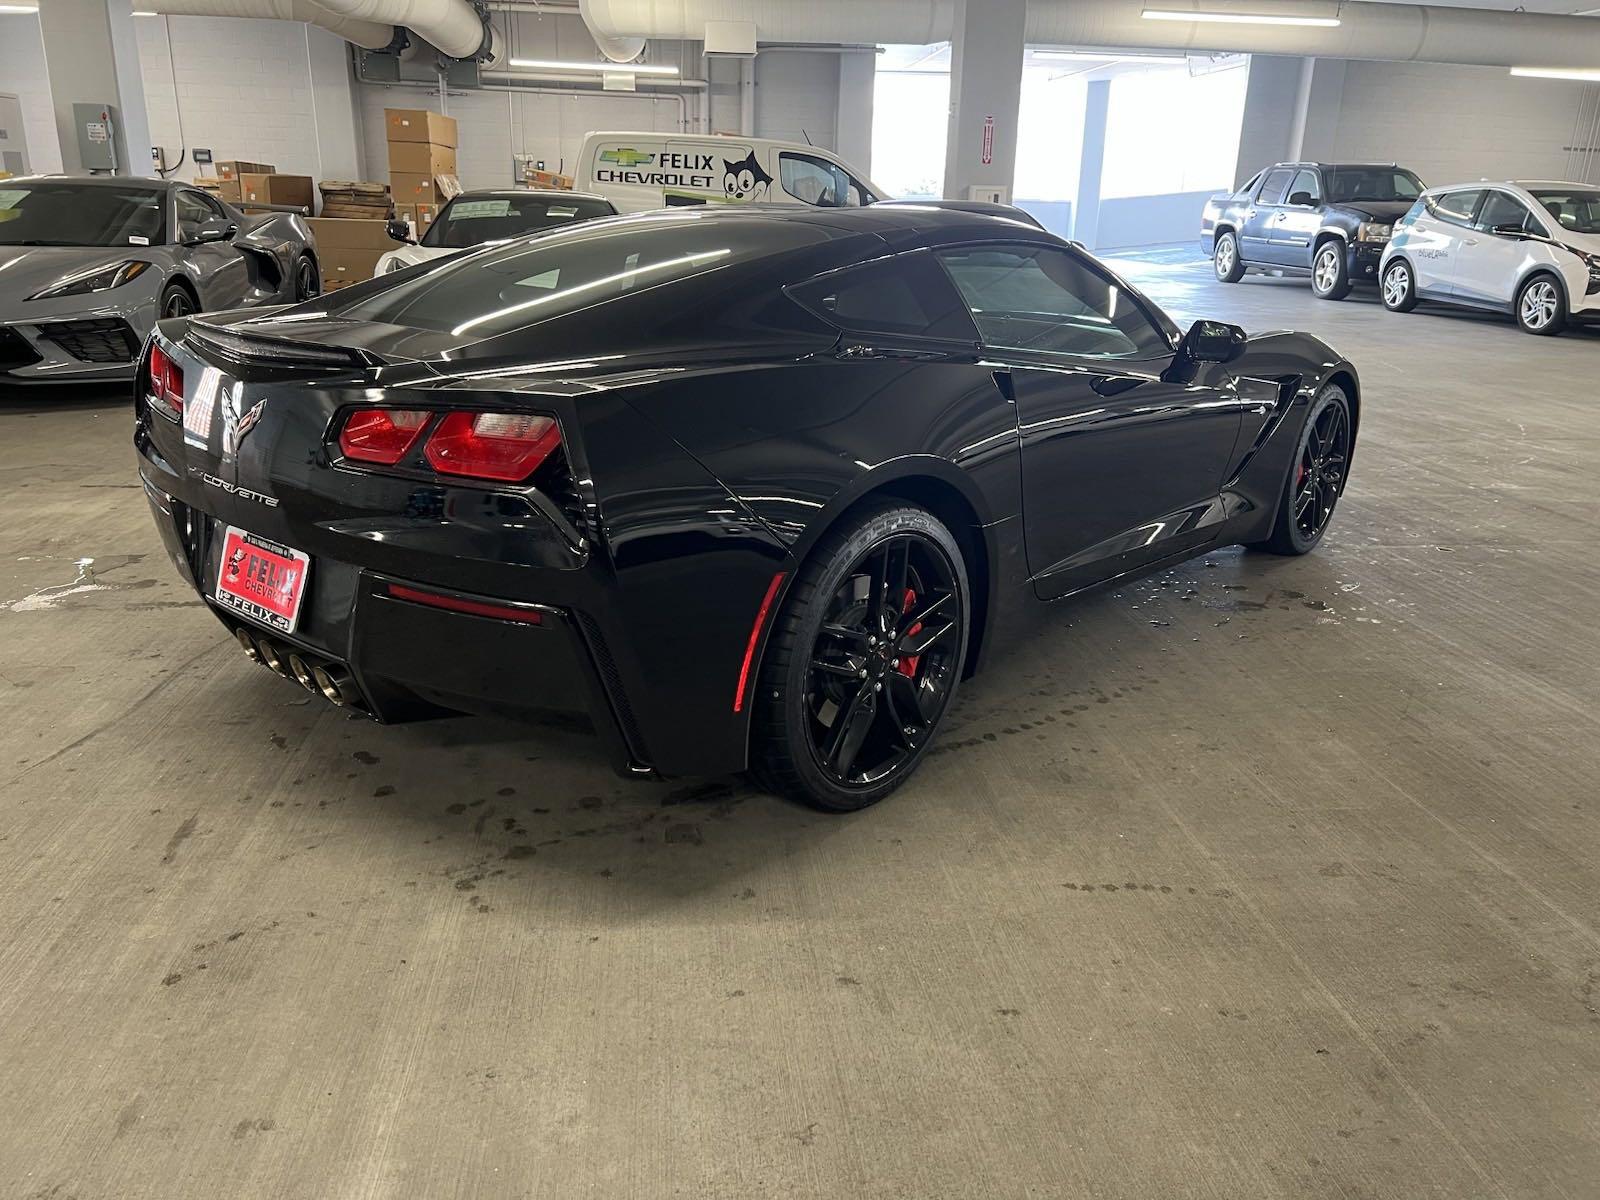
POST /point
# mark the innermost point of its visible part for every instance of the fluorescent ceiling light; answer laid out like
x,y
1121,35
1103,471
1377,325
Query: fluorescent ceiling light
x,y
592,68
1232,18
1587,74
19,8
1109,56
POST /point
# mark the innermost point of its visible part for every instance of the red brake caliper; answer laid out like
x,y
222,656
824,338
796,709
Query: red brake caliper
x,y
908,664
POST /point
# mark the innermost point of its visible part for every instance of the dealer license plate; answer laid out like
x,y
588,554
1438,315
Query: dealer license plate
x,y
262,579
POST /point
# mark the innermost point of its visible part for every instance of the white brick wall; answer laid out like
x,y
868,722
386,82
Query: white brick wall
x,y
22,73
1458,123
243,88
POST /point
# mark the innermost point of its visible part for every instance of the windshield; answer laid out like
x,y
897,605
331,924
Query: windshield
x,y
502,288
472,221
80,214
1574,209
1347,185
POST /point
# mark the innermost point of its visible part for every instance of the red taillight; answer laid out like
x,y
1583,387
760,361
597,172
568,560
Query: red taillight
x,y
381,435
507,447
478,608
166,382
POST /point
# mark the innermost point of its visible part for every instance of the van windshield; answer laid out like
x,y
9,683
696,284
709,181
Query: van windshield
x,y
1574,209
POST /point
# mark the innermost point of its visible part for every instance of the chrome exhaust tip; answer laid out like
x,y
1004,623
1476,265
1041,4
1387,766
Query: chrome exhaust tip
x,y
302,673
271,655
248,644
328,686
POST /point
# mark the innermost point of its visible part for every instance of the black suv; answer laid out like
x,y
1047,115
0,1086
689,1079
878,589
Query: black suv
x,y
1330,221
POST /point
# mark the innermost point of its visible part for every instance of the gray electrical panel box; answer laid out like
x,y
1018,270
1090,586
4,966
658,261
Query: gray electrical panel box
x,y
97,135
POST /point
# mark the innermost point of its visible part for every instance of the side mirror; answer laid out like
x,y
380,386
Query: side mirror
x,y
399,231
1302,200
1206,342
1513,230
217,229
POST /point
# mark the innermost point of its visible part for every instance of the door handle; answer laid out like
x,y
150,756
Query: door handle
x,y
1249,212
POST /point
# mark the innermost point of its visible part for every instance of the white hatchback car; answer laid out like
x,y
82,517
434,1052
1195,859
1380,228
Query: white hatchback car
x,y
1527,248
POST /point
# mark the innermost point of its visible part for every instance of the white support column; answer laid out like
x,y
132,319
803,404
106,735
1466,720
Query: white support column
x,y
989,37
335,105
1091,164
852,136
92,57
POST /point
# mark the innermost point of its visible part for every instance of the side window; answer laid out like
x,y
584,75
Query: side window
x,y
811,180
1248,188
908,294
1456,207
1275,186
1501,209
1042,298
1305,191
193,211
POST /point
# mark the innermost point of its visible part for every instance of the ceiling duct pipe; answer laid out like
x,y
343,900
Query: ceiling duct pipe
x,y
1391,32
455,27
368,34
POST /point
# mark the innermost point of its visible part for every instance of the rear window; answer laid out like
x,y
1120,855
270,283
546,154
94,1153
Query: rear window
x,y
905,295
503,288
473,220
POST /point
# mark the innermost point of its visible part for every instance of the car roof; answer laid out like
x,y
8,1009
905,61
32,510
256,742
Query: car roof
x,y
903,226
122,181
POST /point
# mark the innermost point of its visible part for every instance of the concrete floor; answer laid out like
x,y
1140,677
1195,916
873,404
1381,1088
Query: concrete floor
x,y
1260,878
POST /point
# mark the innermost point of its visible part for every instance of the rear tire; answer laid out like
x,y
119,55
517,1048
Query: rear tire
x,y
864,659
1542,306
1330,271
1316,476
1399,287
1225,258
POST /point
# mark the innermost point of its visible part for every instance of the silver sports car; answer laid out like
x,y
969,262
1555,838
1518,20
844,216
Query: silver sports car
x,y
88,265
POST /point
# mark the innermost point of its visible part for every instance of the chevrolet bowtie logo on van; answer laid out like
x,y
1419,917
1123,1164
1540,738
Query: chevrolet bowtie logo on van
x,y
626,157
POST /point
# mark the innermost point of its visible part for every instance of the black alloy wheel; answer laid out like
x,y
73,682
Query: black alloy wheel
x,y
1316,477
865,659
176,301
307,282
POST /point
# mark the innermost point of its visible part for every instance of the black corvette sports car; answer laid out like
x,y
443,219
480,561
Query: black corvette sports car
x,y
754,488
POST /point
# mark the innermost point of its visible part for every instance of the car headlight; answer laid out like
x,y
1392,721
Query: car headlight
x,y
96,279
1371,231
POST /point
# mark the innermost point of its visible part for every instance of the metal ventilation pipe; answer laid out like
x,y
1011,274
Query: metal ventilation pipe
x,y
454,26
1395,32
370,34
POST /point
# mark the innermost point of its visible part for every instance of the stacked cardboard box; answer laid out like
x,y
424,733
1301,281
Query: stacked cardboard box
x,y
259,188
422,157
355,199
349,248
418,216
227,184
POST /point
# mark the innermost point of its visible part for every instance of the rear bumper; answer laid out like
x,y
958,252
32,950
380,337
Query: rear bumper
x,y
405,660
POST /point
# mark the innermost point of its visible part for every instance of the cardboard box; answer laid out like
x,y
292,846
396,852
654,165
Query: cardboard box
x,y
349,249
419,125
421,158
234,168
417,216
276,189
423,189
226,190
548,179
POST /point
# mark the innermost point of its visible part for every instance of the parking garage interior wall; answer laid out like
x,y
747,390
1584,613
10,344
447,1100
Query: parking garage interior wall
x,y
22,72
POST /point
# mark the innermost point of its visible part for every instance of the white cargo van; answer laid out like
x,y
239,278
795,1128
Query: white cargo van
x,y
641,171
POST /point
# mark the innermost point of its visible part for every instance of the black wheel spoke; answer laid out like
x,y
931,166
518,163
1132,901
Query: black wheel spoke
x,y
928,612
844,631
843,670
850,730
924,639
